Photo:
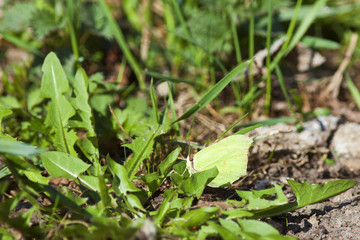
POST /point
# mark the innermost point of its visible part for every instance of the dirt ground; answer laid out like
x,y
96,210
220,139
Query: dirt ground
x,y
302,156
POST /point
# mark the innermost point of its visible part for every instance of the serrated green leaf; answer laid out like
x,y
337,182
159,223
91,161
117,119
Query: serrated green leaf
x,y
53,85
308,193
60,164
121,183
44,22
17,17
142,147
81,103
258,199
196,184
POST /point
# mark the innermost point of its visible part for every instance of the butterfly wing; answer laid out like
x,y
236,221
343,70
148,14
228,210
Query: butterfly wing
x,y
230,156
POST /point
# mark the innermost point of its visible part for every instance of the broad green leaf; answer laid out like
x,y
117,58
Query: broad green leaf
x,y
253,229
134,202
17,148
90,182
121,183
307,193
54,82
161,212
35,176
4,171
225,233
258,199
230,225
60,164
166,165
197,182
33,99
198,216
53,85
9,102
142,147
4,112
229,156
237,213
214,91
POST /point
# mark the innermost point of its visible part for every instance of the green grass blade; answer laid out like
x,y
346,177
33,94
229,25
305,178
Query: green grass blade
x,y
232,126
73,39
119,36
305,24
17,148
268,46
292,25
251,44
20,43
168,78
248,129
354,91
172,109
154,102
269,122
283,88
213,92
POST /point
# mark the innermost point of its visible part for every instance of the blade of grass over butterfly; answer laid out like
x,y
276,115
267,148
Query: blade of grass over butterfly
x,y
232,127
247,129
353,90
119,36
213,92
269,122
